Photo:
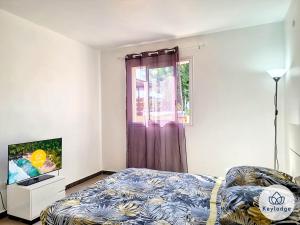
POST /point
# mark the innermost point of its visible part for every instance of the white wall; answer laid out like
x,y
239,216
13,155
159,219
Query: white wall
x,y
292,98
232,99
49,87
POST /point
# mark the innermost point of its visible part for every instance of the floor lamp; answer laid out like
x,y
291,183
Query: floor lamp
x,y
276,74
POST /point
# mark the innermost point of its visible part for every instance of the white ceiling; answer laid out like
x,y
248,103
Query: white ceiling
x,y
106,23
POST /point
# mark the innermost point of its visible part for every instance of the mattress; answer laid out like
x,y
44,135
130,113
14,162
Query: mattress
x,y
141,196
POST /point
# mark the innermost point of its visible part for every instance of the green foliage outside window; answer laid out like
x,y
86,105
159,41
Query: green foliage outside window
x,y
184,70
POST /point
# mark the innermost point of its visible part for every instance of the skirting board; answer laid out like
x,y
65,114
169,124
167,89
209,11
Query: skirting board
x,y
102,172
23,220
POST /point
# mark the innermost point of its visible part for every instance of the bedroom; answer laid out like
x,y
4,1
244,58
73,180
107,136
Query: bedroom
x,y
63,75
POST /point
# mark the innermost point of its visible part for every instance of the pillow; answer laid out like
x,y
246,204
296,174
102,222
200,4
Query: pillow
x,y
258,176
240,206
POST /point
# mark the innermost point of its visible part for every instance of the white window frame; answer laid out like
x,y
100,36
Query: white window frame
x,y
191,70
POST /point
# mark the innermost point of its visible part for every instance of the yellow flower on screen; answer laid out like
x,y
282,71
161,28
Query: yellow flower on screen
x,y
38,158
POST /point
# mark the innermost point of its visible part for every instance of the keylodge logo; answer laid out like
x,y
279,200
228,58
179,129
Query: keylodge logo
x,y
276,202
276,199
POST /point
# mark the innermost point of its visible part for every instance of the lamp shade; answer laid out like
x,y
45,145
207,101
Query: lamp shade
x,y
277,72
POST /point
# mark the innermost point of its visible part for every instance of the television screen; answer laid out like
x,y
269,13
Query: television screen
x,y
33,159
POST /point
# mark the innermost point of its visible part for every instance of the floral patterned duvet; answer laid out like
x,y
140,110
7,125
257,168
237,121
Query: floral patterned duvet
x,y
141,196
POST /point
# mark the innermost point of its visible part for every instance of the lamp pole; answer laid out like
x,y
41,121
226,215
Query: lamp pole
x,y
276,162
276,74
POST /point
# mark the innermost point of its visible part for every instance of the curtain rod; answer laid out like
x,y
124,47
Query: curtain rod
x,y
155,52
198,47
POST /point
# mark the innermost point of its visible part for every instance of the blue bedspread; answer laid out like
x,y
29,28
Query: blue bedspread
x,y
141,196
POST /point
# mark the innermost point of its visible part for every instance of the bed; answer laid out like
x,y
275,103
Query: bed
x,y
143,196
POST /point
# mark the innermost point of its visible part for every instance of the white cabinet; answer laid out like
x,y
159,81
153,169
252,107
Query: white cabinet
x,y
27,202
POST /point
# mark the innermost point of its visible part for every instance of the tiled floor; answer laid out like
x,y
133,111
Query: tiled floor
x,y
6,221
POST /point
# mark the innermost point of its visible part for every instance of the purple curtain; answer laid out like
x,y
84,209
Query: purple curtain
x,y
155,134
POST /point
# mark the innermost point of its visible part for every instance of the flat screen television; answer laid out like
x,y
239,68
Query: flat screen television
x,y
33,159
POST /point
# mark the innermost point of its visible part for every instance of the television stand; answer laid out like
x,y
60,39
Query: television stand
x,y
35,180
25,203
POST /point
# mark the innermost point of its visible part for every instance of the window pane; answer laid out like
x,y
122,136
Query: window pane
x,y
154,100
161,94
184,72
139,94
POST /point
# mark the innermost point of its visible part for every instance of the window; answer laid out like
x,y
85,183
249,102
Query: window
x,y
153,95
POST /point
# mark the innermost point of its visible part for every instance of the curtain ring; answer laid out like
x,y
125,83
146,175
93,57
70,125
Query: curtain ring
x,y
152,53
169,50
136,55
